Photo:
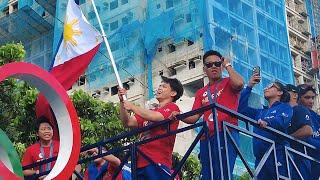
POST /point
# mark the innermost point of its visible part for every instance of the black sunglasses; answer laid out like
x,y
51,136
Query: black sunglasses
x,y
210,64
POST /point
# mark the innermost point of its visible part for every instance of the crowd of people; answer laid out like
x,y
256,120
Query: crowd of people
x,y
288,109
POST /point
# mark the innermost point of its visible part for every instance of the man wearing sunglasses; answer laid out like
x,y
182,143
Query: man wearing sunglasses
x,y
306,97
277,115
224,91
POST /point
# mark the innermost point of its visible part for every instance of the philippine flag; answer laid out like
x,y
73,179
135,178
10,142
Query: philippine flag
x,y
80,43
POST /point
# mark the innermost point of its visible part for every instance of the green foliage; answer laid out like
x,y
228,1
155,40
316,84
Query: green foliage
x,y
11,52
191,169
99,120
244,176
17,114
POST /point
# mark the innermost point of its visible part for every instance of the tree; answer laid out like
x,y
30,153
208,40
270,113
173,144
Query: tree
x,y
11,52
99,120
191,168
16,100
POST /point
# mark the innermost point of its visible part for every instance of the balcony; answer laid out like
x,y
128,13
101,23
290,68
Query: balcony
x,y
48,5
22,25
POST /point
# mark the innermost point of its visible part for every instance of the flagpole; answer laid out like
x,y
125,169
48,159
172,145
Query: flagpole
x,y
108,48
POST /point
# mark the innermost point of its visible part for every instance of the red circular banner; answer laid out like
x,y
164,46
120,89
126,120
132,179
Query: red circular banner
x,y
64,111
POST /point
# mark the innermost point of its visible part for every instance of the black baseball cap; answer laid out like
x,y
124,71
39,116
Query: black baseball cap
x,y
292,88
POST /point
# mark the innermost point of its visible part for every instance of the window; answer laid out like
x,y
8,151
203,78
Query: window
x,y
113,5
106,26
124,2
190,43
161,73
82,80
113,25
114,90
192,65
15,7
6,11
188,18
106,6
114,46
172,71
125,21
172,48
126,85
91,15
96,94
169,4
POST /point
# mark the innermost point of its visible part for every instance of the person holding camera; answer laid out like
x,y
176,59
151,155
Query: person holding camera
x,y
277,115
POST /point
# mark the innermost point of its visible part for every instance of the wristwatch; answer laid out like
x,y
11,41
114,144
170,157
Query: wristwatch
x,y
228,64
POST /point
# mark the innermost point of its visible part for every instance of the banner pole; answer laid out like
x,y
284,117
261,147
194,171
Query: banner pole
x,y
108,47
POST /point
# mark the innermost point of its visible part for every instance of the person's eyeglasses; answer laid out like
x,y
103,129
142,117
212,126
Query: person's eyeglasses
x,y
210,64
273,85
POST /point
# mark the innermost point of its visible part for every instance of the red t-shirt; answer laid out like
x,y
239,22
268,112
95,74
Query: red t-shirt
x,y
33,154
160,151
226,96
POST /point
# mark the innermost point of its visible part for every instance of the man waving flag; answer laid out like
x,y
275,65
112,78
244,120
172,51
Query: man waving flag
x,y
80,43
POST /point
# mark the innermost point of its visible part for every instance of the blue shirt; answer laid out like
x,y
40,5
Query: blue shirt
x,y
301,117
278,116
315,124
94,171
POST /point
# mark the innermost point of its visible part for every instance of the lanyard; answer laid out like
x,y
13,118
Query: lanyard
x,y
215,92
48,165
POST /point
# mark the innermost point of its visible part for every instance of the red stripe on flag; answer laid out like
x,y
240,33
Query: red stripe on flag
x,y
67,74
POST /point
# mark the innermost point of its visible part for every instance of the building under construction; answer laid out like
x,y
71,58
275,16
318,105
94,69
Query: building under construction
x,y
150,38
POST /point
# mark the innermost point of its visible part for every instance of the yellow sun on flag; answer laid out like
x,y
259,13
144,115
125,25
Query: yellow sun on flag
x,y
70,32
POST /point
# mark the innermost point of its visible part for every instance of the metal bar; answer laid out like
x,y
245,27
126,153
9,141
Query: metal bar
x,y
217,136
164,135
268,129
182,116
112,151
275,160
151,161
187,154
78,175
293,163
234,144
263,160
206,130
134,162
226,148
118,170
302,154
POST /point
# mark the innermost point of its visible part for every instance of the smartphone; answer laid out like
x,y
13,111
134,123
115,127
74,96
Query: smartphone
x,y
256,70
